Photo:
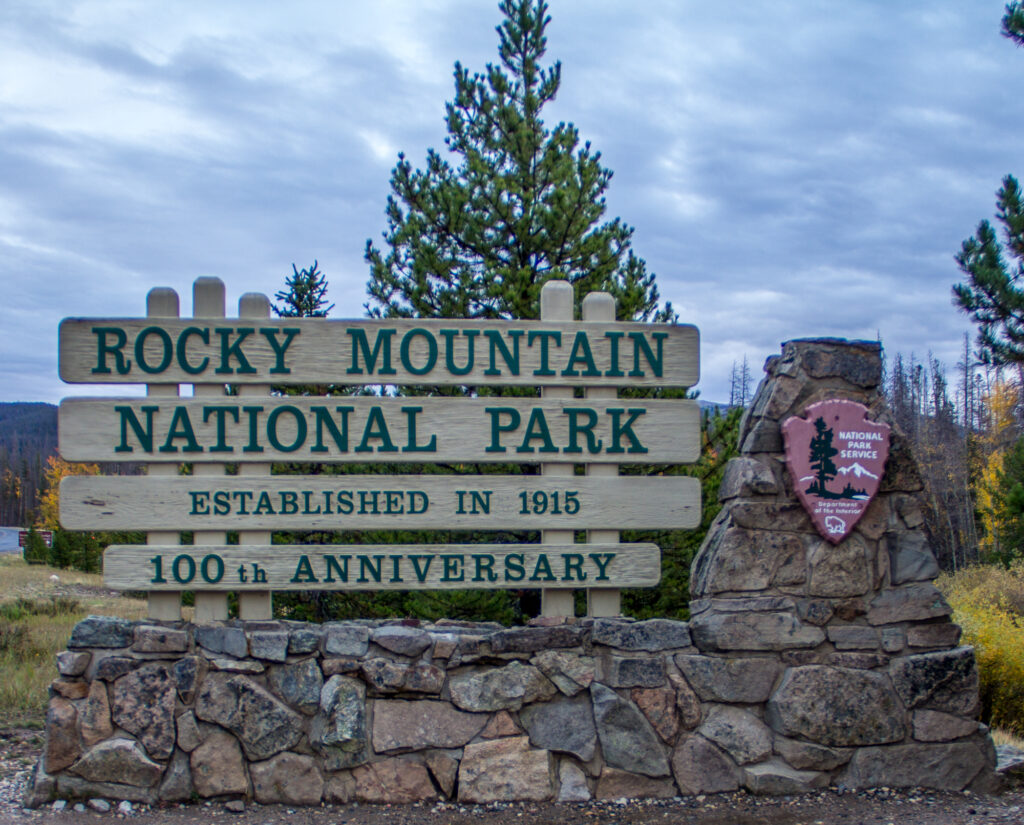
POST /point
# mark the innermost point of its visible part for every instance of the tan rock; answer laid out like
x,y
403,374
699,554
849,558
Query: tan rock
x,y
340,788
121,760
572,783
218,767
393,781
189,736
614,784
287,779
444,769
62,747
70,690
501,724
659,706
700,767
502,770
687,702
935,726
94,716
401,725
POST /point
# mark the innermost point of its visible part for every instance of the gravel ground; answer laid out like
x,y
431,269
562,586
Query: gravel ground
x,y
19,750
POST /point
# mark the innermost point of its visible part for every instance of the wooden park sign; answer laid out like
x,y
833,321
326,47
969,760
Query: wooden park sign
x,y
578,420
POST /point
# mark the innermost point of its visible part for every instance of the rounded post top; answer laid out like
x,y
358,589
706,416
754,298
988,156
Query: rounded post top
x,y
598,306
254,305
556,301
162,302
208,298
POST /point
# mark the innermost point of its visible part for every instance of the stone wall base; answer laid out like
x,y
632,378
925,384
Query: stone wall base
x,y
294,713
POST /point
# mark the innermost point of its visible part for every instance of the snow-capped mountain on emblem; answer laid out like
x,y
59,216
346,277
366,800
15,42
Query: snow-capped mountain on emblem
x,y
836,458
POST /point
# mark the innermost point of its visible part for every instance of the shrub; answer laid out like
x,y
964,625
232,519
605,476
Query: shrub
x,y
988,602
35,550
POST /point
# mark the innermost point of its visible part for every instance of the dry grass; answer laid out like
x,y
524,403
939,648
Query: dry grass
x,y
36,618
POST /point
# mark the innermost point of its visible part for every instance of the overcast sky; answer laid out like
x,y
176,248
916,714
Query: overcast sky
x,y
792,168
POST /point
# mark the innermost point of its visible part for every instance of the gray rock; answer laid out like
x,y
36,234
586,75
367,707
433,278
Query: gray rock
x,y
853,637
110,668
74,787
40,789
746,476
941,634
384,675
699,767
747,560
177,782
753,631
652,635
533,639
444,769
505,688
808,756
738,732
218,767
101,631
405,641
815,611
186,672
343,639
338,731
894,639
627,739
218,638
189,737
570,672
912,603
771,515
776,778
933,726
572,783
399,725
227,665
157,639
271,645
746,680
840,570
143,704
298,684
121,758
949,767
836,706
263,725
304,640
565,725
620,671
944,681
287,779
910,557
73,662
867,661
763,437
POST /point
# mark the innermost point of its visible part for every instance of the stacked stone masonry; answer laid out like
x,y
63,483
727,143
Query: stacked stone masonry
x,y
803,665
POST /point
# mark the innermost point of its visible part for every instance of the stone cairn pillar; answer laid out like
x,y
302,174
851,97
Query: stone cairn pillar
x,y
845,654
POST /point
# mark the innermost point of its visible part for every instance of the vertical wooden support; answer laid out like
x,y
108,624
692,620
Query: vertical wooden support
x,y
162,302
556,304
254,605
600,306
208,302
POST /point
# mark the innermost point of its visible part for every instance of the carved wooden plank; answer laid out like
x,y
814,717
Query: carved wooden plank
x,y
348,430
380,567
355,502
395,351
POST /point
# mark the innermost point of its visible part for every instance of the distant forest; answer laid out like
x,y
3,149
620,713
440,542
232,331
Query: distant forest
x,y
28,437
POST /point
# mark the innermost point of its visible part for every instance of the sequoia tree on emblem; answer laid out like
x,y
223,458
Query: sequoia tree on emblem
x,y
836,458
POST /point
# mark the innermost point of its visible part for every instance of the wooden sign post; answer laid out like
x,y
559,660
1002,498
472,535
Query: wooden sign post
x,y
578,420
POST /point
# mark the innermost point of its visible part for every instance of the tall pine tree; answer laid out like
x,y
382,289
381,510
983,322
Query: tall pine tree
x,y
519,205
993,296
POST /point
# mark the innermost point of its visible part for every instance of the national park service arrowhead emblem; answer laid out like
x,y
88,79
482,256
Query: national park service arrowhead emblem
x,y
836,458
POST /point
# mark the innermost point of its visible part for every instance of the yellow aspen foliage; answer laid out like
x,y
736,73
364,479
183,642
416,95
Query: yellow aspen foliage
x,y
986,497
49,503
